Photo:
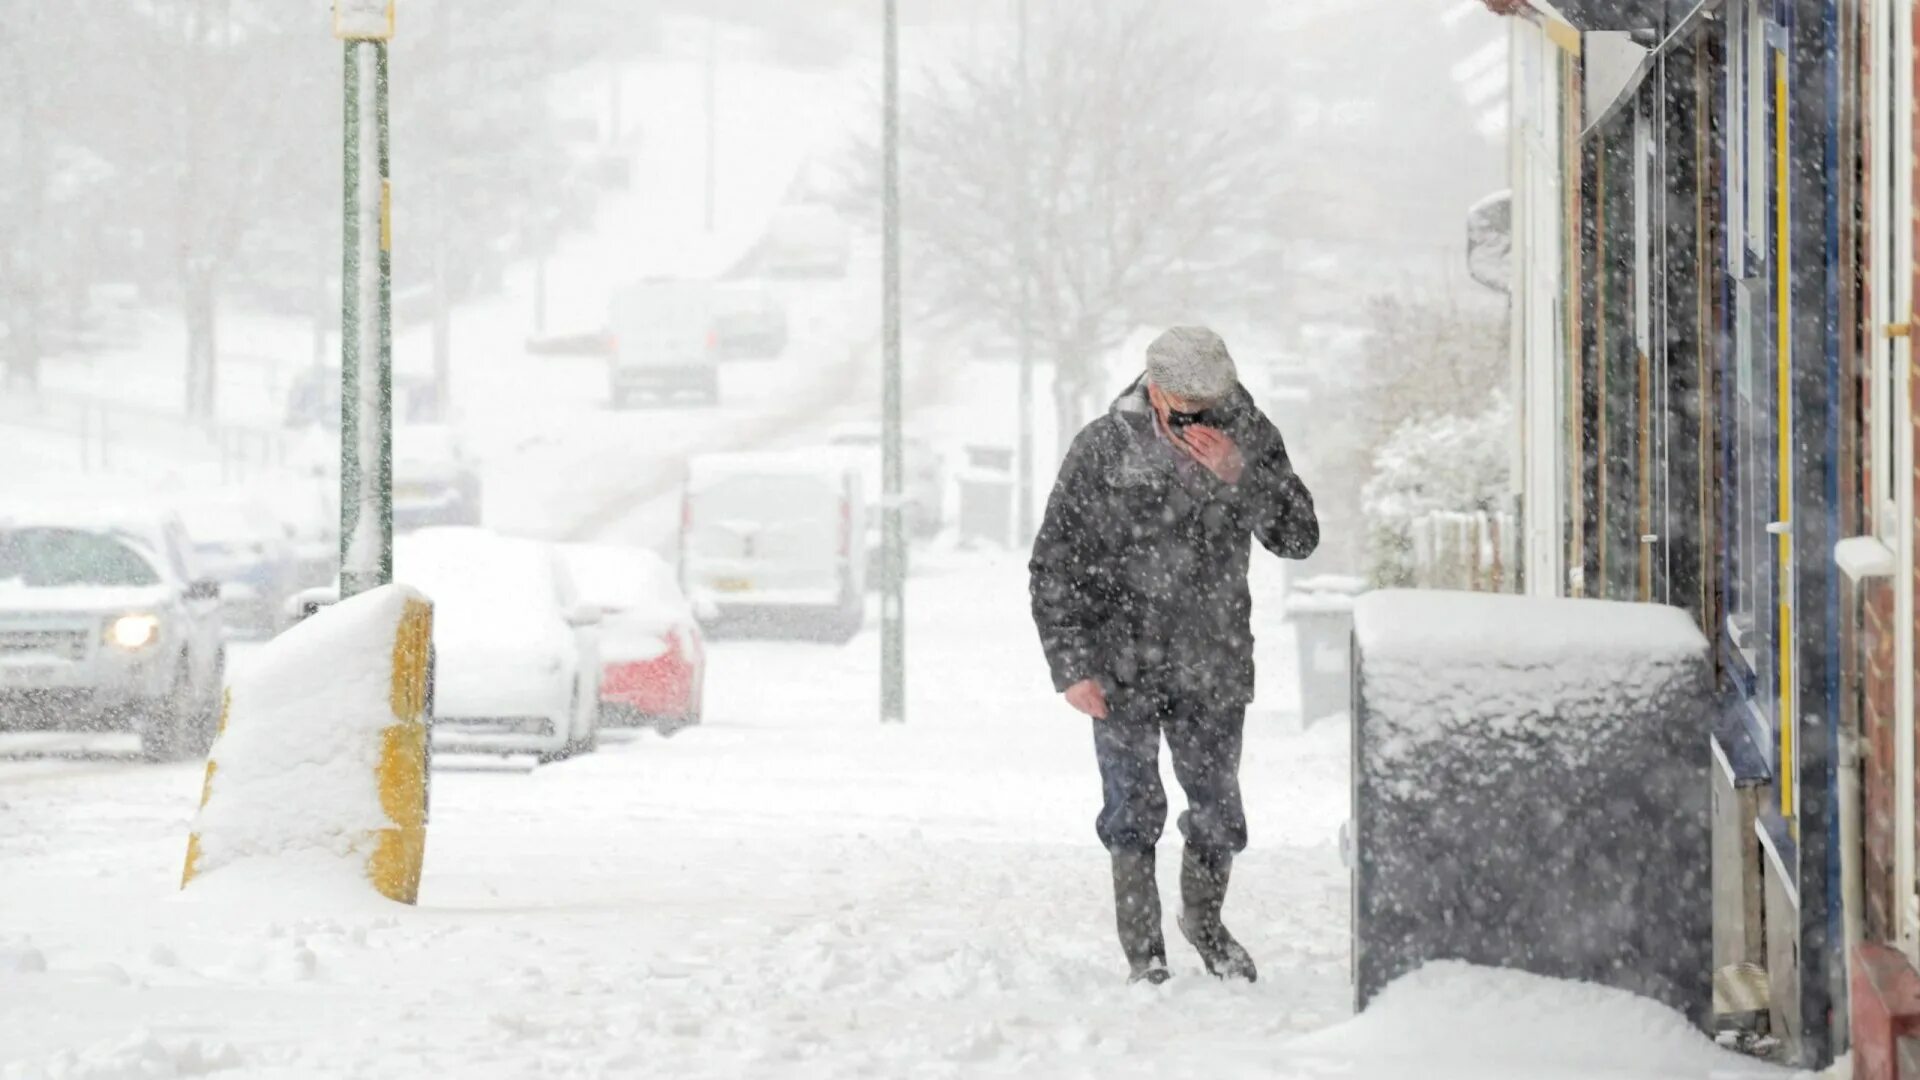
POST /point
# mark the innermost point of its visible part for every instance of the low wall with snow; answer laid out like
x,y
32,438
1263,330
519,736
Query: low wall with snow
x,y
1530,791
319,771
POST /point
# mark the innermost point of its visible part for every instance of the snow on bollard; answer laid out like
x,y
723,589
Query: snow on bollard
x,y
1531,791
320,764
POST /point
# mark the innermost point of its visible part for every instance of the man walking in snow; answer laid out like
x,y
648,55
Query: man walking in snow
x,y
1139,586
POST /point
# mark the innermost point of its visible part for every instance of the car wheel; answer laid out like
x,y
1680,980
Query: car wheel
x,y
205,724
590,742
166,722
844,624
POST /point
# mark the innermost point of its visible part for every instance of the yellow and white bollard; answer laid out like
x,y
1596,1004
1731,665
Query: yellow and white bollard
x,y
320,765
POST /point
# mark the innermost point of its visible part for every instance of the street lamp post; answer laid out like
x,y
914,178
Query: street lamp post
x,y
366,303
712,94
1023,245
893,631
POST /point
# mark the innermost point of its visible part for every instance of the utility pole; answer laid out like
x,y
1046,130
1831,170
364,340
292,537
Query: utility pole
x,y
893,627
713,119
440,35
543,229
366,303
1023,246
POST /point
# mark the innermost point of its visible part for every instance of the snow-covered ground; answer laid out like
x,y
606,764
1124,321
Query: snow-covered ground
x,y
791,889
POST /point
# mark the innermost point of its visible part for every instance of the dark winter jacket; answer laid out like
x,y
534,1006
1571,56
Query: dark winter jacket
x,y
1139,574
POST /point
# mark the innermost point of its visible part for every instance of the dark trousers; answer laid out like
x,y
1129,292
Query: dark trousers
x,y
1204,741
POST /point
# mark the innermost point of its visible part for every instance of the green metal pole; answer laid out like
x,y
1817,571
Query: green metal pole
x,y
366,350
350,475
893,630
385,471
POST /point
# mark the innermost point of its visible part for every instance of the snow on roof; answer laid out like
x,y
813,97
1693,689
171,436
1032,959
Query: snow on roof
x,y
632,582
139,517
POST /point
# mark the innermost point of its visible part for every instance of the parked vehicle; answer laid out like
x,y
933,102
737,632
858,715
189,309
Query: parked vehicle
x,y
662,341
313,399
517,667
750,321
434,482
105,626
772,543
244,546
807,240
925,481
308,509
653,658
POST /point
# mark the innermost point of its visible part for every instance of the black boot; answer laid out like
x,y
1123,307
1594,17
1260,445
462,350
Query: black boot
x,y
1136,906
1203,891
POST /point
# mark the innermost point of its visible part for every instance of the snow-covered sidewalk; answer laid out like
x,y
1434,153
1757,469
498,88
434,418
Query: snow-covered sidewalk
x,y
791,890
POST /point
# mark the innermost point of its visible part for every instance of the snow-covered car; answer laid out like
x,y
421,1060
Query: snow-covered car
x,y
662,341
771,542
434,481
807,240
244,546
653,658
925,481
749,321
516,652
104,626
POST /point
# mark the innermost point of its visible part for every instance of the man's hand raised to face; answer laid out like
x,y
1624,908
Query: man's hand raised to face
x,y
1216,451
1087,697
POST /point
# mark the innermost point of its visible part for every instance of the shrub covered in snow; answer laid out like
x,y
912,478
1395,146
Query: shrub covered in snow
x,y
1437,465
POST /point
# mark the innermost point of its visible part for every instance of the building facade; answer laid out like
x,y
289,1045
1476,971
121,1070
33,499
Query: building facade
x,y
1712,285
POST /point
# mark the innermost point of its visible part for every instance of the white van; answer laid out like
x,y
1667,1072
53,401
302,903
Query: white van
x,y
662,341
772,543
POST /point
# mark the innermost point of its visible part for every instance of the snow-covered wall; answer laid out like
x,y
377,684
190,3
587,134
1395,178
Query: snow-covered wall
x,y
1530,791
319,772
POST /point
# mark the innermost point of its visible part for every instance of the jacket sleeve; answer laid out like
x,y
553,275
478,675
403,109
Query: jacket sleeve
x,y
1284,519
1064,573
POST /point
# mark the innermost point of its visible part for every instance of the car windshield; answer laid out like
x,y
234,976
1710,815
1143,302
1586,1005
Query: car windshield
x,y
46,558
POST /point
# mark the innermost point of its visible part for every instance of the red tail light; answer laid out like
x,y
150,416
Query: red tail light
x,y
713,340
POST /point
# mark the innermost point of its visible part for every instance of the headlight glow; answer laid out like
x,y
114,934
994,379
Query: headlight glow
x,y
134,631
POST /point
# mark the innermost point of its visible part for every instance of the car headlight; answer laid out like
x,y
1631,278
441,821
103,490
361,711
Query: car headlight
x,y
134,631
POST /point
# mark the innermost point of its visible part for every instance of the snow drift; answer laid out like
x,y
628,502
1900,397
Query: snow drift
x,y
1451,1019
319,771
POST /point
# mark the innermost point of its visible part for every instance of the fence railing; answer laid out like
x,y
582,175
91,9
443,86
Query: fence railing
x,y
110,437
1463,551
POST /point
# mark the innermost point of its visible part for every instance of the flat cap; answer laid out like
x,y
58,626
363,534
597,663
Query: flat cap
x,y
1192,362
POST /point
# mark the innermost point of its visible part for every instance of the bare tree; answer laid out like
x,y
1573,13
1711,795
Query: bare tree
x,y
1153,184
234,96
45,172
